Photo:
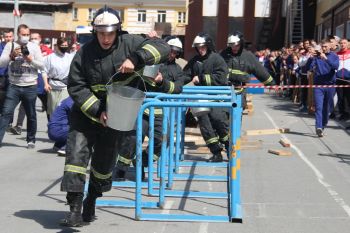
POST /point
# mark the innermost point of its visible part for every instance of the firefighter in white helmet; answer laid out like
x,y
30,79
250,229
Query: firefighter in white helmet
x,y
109,51
242,63
208,68
170,79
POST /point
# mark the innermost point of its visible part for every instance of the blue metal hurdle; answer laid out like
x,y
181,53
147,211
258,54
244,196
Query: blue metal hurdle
x,y
234,162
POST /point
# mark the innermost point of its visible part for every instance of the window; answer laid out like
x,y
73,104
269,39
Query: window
x,y
236,8
262,8
161,16
91,14
141,16
339,31
181,18
75,13
348,30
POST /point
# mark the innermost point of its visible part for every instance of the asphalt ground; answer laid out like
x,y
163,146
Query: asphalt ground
x,y
307,191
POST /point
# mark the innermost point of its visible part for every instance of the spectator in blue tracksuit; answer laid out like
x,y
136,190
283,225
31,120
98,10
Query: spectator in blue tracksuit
x,y
58,125
324,65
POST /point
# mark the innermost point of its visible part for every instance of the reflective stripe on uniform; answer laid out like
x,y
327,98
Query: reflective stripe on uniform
x,y
155,157
212,140
224,139
75,169
233,71
124,160
157,111
98,88
207,79
153,51
88,103
270,79
99,175
171,88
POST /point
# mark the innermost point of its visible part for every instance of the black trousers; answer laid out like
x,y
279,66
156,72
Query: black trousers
x,y
343,97
214,128
99,143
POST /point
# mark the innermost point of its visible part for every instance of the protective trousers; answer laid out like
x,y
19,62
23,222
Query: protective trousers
x,y
323,105
99,143
214,128
128,147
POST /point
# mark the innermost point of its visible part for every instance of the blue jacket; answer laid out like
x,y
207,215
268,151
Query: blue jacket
x,y
60,117
3,71
324,69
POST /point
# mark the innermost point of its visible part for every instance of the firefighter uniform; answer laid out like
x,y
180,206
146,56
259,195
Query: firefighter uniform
x,y
211,70
90,71
173,80
242,64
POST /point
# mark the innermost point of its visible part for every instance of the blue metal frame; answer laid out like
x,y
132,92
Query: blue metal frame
x,y
173,111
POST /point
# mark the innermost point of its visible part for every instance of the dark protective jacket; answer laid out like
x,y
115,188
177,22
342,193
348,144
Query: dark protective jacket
x,y
173,79
242,65
92,68
211,70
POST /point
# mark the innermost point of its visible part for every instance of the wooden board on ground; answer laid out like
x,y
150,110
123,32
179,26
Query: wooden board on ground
x,y
249,105
251,145
284,142
249,97
266,131
280,152
248,112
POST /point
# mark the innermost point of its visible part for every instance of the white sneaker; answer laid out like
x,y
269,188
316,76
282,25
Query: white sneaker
x,y
61,152
30,145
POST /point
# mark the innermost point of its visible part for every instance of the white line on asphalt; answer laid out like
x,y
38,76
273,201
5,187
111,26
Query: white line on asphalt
x,y
166,210
318,174
203,227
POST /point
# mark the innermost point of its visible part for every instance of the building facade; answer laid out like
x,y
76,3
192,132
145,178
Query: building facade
x,y
332,18
167,17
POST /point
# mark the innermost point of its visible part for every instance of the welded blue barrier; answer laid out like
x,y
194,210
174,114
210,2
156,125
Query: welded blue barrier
x,y
173,107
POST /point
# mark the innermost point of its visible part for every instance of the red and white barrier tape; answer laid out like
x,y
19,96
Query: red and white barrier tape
x,y
292,86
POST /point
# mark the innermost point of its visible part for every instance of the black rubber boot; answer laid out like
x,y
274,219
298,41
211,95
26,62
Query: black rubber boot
x,y
89,205
217,157
74,218
227,148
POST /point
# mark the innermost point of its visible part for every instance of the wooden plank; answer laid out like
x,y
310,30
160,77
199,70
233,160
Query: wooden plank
x,y
249,105
280,152
284,142
266,131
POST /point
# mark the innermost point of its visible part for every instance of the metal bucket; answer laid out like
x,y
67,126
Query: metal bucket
x,y
200,111
123,105
151,71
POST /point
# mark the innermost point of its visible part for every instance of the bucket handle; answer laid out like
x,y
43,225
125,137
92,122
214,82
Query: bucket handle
x,y
111,78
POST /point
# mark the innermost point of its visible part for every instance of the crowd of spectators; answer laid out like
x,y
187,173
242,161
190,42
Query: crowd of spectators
x,y
291,66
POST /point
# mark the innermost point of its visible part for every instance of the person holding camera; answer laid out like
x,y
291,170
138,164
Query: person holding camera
x,y
23,59
324,65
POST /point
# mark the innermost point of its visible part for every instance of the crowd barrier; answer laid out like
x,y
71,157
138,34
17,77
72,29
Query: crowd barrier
x,y
160,181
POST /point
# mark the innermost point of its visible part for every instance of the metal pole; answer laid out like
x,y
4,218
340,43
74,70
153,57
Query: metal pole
x,y
16,18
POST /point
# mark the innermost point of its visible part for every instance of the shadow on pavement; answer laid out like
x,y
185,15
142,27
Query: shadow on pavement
x,y
49,219
343,157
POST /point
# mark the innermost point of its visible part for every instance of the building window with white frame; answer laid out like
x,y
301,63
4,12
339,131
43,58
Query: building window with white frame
x,y
181,17
141,16
75,13
91,14
161,16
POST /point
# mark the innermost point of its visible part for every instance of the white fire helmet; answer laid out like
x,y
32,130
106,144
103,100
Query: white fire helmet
x,y
233,40
175,44
199,41
106,21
